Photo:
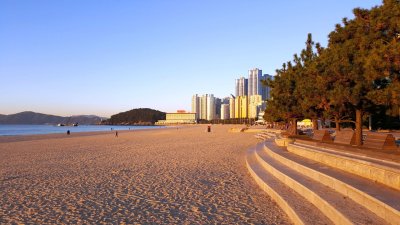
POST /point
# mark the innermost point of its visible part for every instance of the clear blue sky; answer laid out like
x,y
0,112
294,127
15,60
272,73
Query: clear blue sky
x,y
69,57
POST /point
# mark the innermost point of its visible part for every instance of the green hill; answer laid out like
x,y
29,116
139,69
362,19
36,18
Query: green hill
x,y
141,116
40,118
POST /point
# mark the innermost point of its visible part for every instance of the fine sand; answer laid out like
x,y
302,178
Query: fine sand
x,y
162,176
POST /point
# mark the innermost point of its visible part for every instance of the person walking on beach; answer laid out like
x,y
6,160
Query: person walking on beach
x,y
68,132
116,133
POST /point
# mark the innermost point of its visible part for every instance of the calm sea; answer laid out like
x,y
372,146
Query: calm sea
x,y
8,130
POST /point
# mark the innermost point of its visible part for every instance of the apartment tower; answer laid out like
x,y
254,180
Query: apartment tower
x,y
241,87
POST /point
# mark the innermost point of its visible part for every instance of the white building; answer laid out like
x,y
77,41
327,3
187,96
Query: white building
x,y
241,88
204,106
196,105
260,118
225,111
210,107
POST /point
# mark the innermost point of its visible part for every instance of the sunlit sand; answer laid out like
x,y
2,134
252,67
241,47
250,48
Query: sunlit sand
x,y
183,175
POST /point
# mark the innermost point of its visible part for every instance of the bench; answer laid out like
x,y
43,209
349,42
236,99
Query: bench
x,y
345,137
322,136
380,141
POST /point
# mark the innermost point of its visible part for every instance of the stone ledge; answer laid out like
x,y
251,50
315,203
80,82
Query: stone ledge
x,y
381,209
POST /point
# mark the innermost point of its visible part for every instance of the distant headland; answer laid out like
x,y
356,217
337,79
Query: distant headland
x,y
140,116
29,117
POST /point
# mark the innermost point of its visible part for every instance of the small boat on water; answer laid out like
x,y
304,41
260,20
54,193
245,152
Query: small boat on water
x,y
75,124
60,125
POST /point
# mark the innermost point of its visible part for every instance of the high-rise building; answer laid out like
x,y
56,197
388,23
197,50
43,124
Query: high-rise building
x,y
241,107
241,87
207,106
225,111
232,107
203,107
254,82
266,90
210,115
218,103
255,105
237,107
196,105
225,100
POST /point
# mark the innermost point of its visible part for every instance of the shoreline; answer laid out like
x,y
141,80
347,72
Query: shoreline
x,y
32,137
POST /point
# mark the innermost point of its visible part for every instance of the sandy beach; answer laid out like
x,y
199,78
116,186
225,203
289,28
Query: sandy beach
x,y
162,176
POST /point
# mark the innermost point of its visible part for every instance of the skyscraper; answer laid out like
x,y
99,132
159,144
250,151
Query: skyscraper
x,y
196,105
218,103
224,111
232,107
254,82
241,107
206,106
203,107
266,90
210,107
241,87
225,100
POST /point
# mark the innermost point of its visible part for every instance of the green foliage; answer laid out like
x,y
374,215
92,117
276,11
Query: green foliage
x,y
293,91
137,116
358,71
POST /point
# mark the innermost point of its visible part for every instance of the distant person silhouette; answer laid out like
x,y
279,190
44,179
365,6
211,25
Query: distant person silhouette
x,y
68,132
116,133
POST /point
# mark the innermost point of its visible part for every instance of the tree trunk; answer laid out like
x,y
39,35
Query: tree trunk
x,y
315,124
370,122
358,127
337,123
294,124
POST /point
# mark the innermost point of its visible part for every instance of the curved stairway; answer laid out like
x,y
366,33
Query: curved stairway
x,y
311,192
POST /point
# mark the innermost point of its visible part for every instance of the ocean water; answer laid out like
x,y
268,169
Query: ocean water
x,y
11,130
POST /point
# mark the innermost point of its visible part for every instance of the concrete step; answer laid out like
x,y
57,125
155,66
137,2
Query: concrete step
x,y
265,135
377,170
270,134
262,136
381,162
337,207
379,199
298,209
